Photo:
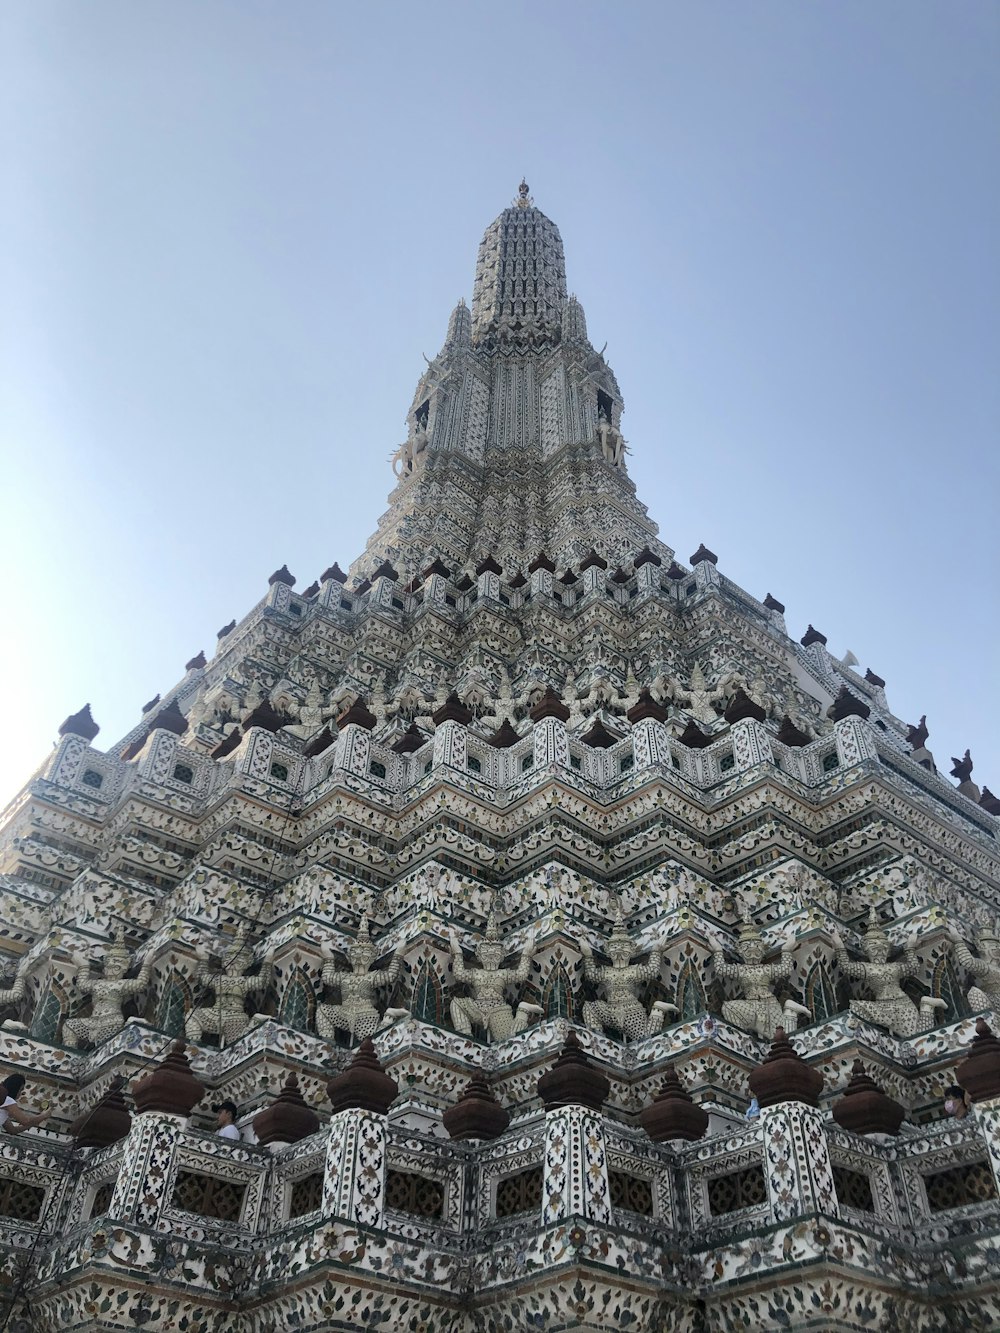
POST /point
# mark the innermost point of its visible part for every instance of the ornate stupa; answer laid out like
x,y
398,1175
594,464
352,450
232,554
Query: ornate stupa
x,y
521,791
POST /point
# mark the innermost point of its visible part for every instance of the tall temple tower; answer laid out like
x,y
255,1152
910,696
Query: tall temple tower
x,y
558,943
514,442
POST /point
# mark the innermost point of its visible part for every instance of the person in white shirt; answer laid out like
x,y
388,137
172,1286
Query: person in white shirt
x,y
227,1112
13,1119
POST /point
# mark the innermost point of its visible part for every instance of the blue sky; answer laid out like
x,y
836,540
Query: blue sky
x,y
229,230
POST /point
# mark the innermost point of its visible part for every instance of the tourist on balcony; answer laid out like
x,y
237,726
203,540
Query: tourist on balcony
x,y
14,1118
228,1128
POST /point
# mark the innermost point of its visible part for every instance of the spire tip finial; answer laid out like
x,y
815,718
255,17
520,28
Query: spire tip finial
x,y
523,197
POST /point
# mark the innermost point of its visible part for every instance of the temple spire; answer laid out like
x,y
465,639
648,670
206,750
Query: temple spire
x,y
520,285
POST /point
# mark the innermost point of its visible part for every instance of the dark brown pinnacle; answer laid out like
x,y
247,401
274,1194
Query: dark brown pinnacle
x,y
592,560
647,707
320,742
598,737
504,737
170,719
646,557
789,734
151,704
703,553
573,1080
620,576
364,1084
266,717
477,1114
226,630
227,746
437,566
464,583
783,1076
773,604
989,803
872,679
673,1114
288,1119
359,716
568,578
312,590
282,576
541,561
864,1108
812,636
335,573
105,1123
742,706
412,739
675,572
452,710
518,581
694,738
364,586
197,662
846,705
171,1088
80,724
549,705
488,566
384,571
979,1072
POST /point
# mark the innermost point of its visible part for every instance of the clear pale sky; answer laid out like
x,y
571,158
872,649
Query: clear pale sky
x,y
229,230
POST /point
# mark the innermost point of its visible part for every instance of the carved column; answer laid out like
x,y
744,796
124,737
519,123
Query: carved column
x,y
488,586
163,1101
650,742
449,745
979,1075
797,1164
541,582
648,578
140,1191
751,744
354,1176
353,749
594,579
854,741
551,745
575,1172
255,755
575,1168
382,592
706,575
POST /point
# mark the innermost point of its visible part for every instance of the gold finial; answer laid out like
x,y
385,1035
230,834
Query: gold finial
x,y
523,197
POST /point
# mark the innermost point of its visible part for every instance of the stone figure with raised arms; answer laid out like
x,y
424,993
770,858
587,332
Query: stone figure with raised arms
x,y
227,1016
357,1012
890,1006
986,969
108,994
488,1005
621,1008
759,1010
14,993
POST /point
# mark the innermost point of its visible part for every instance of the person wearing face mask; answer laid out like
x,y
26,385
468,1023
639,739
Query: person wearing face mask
x,y
956,1102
